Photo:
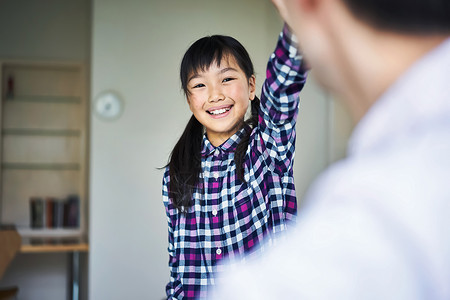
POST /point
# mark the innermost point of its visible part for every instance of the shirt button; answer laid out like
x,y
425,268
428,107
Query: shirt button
x,y
216,175
216,152
218,251
214,212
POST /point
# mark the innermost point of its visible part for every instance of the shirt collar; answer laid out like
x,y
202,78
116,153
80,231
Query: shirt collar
x,y
417,98
228,146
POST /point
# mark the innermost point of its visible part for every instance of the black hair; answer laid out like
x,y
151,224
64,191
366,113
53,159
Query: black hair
x,y
405,16
185,160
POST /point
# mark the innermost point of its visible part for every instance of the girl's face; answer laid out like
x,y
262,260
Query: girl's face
x,y
219,97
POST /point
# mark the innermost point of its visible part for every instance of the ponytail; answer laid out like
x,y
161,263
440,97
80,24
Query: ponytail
x,y
241,148
185,165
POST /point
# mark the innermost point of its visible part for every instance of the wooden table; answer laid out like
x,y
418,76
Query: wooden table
x,y
38,248
10,241
10,245
71,245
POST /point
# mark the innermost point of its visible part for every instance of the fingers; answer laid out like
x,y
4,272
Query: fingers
x,y
278,5
281,6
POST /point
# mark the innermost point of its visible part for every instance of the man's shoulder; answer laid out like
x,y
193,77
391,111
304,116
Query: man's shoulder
x,y
419,163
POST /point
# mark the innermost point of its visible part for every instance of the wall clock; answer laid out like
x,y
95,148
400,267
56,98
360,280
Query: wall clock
x,y
108,106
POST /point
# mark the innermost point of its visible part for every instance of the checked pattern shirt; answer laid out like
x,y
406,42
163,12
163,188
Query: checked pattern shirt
x,y
230,217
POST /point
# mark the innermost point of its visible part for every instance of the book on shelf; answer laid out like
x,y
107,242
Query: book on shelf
x,y
73,211
58,211
36,212
55,213
49,212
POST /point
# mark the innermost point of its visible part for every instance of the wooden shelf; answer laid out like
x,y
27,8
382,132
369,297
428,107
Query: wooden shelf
x,y
24,248
53,244
64,232
44,153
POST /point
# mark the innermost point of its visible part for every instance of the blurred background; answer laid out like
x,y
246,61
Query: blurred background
x,y
134,49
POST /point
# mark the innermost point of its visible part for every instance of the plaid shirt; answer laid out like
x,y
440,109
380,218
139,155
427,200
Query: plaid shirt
x,y
230,217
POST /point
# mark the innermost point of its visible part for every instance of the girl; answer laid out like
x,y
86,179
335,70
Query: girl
x,y
229,183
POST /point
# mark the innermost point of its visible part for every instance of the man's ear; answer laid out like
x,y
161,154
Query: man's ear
x,y
252,87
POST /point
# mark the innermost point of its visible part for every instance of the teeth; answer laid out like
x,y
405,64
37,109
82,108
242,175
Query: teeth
x,y
219,111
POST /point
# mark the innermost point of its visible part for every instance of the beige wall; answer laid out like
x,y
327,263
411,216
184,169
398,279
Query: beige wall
x,y
137,48
45,29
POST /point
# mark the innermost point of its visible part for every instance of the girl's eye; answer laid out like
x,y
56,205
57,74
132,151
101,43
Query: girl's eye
x,y
198,86
228,79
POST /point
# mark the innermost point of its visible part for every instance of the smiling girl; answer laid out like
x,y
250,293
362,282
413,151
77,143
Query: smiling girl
x,y
229,183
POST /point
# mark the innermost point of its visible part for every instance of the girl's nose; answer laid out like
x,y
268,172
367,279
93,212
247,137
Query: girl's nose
x,y
216,95
217,98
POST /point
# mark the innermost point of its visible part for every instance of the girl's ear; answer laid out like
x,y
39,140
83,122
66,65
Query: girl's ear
x,y
252,87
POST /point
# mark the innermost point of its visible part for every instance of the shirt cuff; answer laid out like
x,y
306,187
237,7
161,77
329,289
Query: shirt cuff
x,y
291,42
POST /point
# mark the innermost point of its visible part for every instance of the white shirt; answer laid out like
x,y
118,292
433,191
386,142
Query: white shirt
x,y
377,224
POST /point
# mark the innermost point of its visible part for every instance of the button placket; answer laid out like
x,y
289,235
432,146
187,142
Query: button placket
x,y
215,174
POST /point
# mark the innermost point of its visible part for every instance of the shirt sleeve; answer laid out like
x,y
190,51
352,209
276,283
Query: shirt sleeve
x,y
285,78
174,289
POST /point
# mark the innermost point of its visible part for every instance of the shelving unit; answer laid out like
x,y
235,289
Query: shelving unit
x,y
43,145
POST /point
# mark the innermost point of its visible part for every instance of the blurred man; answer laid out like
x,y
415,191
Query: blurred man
x,y
377,224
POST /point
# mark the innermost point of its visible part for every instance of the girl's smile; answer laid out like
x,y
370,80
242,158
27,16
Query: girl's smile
x,y
220,112
219,97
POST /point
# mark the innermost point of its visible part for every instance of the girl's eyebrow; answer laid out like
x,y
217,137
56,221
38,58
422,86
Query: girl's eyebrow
x,y
224,70
196,75
227,69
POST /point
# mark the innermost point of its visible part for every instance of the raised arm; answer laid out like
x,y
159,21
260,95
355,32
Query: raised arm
x,y
285,78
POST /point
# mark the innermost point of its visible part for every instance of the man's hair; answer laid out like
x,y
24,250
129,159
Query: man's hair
x,y
406,16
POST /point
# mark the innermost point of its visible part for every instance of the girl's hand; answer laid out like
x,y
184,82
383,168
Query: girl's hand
x,y
283,10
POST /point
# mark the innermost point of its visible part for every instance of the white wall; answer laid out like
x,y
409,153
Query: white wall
x,y
137,48
43,30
